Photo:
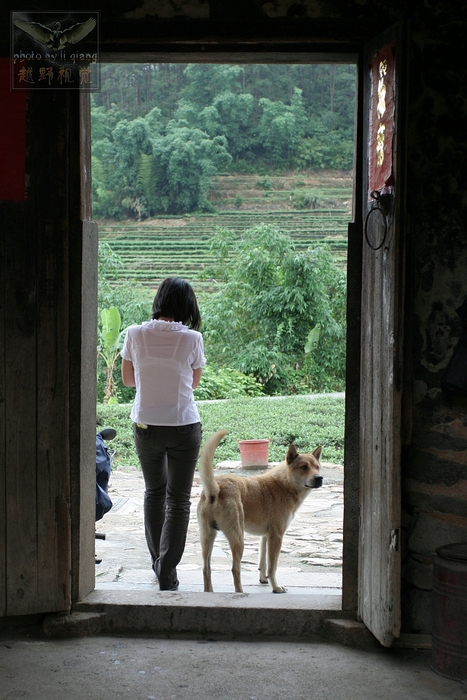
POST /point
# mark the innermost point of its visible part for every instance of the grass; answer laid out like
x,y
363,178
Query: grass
x,y
307,421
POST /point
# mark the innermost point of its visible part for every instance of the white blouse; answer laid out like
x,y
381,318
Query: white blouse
x,y
164,355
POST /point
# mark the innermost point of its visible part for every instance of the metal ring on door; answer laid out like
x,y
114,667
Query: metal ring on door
x,y
377,209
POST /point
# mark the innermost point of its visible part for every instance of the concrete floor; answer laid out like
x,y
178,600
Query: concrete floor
x,y
148,668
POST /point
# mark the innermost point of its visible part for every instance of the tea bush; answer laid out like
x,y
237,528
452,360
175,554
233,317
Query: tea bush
x,y
307,421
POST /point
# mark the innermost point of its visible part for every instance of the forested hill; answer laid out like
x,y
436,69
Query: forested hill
x,y
160,132
136,89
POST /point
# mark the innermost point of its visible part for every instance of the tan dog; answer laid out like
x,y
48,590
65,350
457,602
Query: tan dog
x,y
262,505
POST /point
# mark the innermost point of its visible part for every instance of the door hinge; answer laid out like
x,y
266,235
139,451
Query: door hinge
x,y
395,540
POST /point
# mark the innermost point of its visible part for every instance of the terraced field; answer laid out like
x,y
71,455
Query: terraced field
x,y
154,249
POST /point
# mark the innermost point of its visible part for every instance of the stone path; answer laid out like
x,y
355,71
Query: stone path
x,y
311,556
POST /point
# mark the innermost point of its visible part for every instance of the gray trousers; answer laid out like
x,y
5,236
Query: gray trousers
x,y
168,457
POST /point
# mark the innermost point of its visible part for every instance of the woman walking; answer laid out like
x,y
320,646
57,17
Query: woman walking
x,y
163,359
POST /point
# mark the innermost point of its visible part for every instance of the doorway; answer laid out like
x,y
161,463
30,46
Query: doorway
x,y
311,204
355,413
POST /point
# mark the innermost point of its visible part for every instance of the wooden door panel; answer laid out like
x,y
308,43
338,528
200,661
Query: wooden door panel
x,y
382,276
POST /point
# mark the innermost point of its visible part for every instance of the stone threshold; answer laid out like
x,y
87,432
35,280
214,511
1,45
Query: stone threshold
x,y
216,615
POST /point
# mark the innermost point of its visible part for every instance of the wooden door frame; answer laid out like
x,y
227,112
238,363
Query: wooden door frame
x,y
349,53
83,364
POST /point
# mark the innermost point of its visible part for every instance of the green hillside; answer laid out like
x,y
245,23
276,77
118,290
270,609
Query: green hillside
x,y
311,207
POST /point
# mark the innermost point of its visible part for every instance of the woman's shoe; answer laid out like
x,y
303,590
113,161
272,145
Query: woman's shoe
x,y
172,588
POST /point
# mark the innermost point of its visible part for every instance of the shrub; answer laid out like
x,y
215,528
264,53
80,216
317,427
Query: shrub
x,y
226,383
265,183
304,200
272,296
307,421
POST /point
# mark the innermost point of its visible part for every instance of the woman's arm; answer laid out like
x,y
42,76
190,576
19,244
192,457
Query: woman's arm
x,y
128,373
197,377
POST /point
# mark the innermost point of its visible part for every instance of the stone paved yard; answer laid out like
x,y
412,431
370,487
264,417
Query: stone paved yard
x,y
311,556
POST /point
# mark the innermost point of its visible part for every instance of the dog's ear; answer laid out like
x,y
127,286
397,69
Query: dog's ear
x,y
317,452
291,454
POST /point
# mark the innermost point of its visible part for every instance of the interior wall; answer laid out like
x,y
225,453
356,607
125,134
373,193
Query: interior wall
x,y
434,472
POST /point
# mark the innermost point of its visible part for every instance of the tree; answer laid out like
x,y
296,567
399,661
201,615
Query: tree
x,y
184,159
116,163
110,343
270,300
131,140
133,302
235,114
203,82
230,115
281,127
151,121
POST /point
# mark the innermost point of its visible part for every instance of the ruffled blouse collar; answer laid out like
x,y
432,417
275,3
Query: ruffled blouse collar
x,y
164,325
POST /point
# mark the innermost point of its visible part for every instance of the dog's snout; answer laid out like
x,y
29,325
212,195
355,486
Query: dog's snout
x,y
318,481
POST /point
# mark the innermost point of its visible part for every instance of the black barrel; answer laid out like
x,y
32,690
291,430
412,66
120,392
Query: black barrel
x,y
449,635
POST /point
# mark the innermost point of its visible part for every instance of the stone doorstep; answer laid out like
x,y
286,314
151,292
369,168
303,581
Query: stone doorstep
x,y
163,615
237,616
233,616
229,615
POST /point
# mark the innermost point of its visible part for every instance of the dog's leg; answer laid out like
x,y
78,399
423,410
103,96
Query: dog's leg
x,y
262,559
274,548
236,547
208,535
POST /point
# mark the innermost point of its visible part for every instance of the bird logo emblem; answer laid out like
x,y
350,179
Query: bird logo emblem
x,y
55,38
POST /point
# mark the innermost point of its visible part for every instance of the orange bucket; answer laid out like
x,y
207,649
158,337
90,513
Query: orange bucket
x,y
254,453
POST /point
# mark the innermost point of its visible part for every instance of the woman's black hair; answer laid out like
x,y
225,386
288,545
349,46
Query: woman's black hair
x,y
176,299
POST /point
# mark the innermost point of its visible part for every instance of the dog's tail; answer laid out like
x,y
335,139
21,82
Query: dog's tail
x,y
210,485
